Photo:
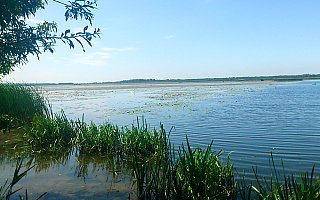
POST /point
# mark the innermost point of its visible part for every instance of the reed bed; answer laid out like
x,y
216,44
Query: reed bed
x,y
20,103
104,138
160,171
110,139
50,133
185,174
57,132
141,141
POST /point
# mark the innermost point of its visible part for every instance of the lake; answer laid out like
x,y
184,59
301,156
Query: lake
x,y
249,120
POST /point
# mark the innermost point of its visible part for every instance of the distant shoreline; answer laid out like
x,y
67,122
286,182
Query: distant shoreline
x,y
280,78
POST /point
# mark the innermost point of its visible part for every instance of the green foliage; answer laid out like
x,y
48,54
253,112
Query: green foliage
x,y
204,174
6,123
50,134
19,103
160,171
140,141
285,187
56,132
194,174
18,40
104,138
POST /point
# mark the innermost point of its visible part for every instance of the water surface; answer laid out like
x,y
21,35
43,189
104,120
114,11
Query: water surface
x,y
248,119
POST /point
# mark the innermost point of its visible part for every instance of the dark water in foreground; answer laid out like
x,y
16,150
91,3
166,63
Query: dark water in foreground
x,y
248,119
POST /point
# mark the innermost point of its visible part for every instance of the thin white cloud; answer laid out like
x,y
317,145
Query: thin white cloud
x,y
103,55
34,21
120,49
170,36
95,58
98,58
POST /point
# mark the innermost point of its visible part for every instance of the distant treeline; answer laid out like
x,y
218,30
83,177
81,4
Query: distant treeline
x,y
197,80
255,78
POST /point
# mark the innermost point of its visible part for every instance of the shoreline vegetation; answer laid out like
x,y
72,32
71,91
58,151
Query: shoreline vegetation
x,y
279,78
161,170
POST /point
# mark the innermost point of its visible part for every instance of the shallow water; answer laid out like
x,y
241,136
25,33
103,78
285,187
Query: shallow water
x,y
249,119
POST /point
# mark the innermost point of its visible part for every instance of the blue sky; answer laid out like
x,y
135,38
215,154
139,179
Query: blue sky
x,y
183,39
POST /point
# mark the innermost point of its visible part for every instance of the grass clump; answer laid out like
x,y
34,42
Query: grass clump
x,y
141,141
50,133
53,133
110,139
20,103
281,186
104,138
191,174
204,174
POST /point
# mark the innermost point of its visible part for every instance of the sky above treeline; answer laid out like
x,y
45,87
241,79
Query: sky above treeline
x,y
169,39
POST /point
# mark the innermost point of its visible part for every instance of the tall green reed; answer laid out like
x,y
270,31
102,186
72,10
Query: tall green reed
x,y
109,138
281,186
193,174
7,191
21,102
105,138
141,141
160,171
205,175
54,133
46,133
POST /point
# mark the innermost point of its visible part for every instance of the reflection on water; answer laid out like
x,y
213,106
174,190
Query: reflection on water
x,y
70,175
248,119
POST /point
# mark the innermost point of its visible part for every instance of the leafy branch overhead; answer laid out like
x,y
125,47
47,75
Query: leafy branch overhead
x,y
18,40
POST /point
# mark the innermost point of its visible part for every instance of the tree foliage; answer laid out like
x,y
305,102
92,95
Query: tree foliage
x,y
18,39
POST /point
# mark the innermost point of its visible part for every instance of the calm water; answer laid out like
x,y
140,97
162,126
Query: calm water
x,y
250,120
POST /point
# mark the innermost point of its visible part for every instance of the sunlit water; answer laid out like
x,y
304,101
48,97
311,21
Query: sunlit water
x,y
250,120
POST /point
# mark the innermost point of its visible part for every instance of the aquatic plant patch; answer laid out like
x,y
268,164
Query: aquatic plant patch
x,y
104,138
21,102
280,186
186,174
50,133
